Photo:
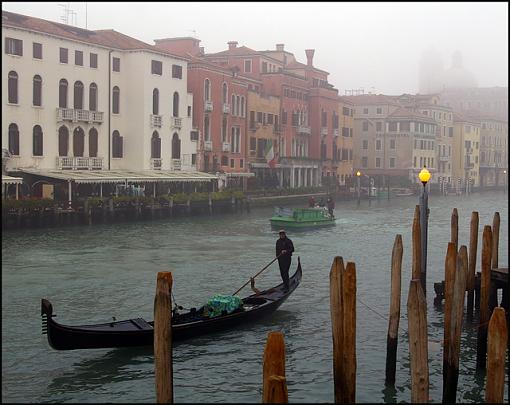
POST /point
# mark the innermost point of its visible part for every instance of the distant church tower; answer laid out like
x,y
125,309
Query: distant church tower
x,y
457,77
431,69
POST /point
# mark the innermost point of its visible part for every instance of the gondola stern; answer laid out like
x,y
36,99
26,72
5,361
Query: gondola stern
x,y
46,313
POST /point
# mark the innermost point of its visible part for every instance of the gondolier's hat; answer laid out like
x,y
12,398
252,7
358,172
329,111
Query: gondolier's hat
x,y
281,231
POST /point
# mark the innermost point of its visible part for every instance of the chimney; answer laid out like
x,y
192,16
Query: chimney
x,y
309,56
201,51
232,45
279,47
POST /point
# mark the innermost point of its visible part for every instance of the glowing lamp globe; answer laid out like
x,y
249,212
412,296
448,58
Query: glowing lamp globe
x,y
358,173
424,176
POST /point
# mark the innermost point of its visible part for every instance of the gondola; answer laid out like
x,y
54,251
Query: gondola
x,y
139,332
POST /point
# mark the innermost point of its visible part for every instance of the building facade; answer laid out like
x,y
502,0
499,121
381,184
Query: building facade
x,y
466,153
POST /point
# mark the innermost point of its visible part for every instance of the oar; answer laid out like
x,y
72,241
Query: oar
x,y
245,284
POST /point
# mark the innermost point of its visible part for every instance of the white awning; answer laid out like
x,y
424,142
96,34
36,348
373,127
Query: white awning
x,y
240,174
11,180
123,176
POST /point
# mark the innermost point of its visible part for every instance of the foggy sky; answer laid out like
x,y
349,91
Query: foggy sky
x,y
375,46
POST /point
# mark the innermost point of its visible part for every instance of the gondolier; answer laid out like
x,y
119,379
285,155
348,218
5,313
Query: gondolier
x,y
284,249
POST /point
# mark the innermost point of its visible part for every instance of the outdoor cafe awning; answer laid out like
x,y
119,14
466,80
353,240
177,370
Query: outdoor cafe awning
x,y
122,176
11,180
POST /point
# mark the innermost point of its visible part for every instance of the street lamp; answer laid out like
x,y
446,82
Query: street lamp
x,y
358,174
505,180
424,177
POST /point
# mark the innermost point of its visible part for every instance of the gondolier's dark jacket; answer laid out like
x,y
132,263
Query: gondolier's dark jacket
x,y
284,244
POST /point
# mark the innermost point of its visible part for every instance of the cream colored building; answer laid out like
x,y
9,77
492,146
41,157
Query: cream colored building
x,y
493,150
96,100
466,152
344,141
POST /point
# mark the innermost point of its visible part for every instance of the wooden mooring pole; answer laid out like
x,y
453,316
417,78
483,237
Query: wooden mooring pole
x,y
274,388
163,338
418,350
485,284
396,284
449,282
496,351
416,260
473,247
495,240
455,228
343,323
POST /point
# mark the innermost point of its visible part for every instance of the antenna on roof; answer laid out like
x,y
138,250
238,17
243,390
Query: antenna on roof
x,y
67,12
193,33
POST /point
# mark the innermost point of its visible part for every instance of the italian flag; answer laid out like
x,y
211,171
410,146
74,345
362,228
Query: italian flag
x,y
269,152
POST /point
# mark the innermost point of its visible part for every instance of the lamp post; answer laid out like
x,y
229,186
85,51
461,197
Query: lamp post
x,y
424,177
358,174
505,180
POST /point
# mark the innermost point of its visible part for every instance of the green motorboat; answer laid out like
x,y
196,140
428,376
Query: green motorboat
x,y
301,218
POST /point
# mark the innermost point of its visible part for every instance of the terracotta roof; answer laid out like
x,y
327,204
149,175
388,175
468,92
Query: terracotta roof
x,y
403,112
237,51
481,116
295,65
105,38
365,99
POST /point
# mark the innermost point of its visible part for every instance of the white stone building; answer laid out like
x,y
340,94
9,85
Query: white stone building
x,y
80,99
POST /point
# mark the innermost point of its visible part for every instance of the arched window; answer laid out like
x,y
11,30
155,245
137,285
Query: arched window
x,y
93,97
176,104
176,147
207,134
238,101
14,139
37,141
117,145
115,100
62,93
155,101
233,106
224,129
93,142
13,87
63,141
37,91
242,106
78,142
224,94
207,90
78,95
155,146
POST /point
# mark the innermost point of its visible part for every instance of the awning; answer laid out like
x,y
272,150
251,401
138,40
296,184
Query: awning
x,y
11,180
249,174
123,176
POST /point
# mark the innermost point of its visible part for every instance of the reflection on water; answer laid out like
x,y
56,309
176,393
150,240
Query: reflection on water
x,y
93,273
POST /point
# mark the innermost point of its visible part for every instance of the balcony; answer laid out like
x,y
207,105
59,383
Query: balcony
x,y
70,114
336,132
176,164
225,147
208,106
444,158
176,122
226,108
469,165
469,151
156,121
156,163
324,131
208,145
79,163
254,126
301,129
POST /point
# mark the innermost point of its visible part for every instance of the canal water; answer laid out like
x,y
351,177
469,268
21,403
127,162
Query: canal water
x,y
92,274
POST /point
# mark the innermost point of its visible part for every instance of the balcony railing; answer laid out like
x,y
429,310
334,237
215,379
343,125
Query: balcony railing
x,y
469,151
176,122
176,164
324,131
79,163
301,129
225,147
208,105
156,121
226,108
336,132
444,158
156,163
254,126
208,145
71,114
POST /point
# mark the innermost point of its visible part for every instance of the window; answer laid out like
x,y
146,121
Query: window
x,y
365,110
264,67
62,93
78,58
155,101
78,95
270,119
193,135
392,126
36,50
241,163
207,90
189,111
13,87
193,158
37,91
377,162
155,146
324,119
253,143
392,162
13,46
232,163
284,117
238,105
345,111
450,132
93,142
176,146
224,160
63,141
117,145
405,126
14,140
156,67
392,144
93,60
116,64
233,107
335,120
365,126
242,106
378,144
115,100
364,161
224,95
93,97
379,110
63,55
224,130
365,144
176,104
207,129
177,71
78,142
378,126
37,141
247,66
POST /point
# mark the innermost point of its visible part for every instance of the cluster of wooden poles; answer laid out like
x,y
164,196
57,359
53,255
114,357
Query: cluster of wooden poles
x,y
459,278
